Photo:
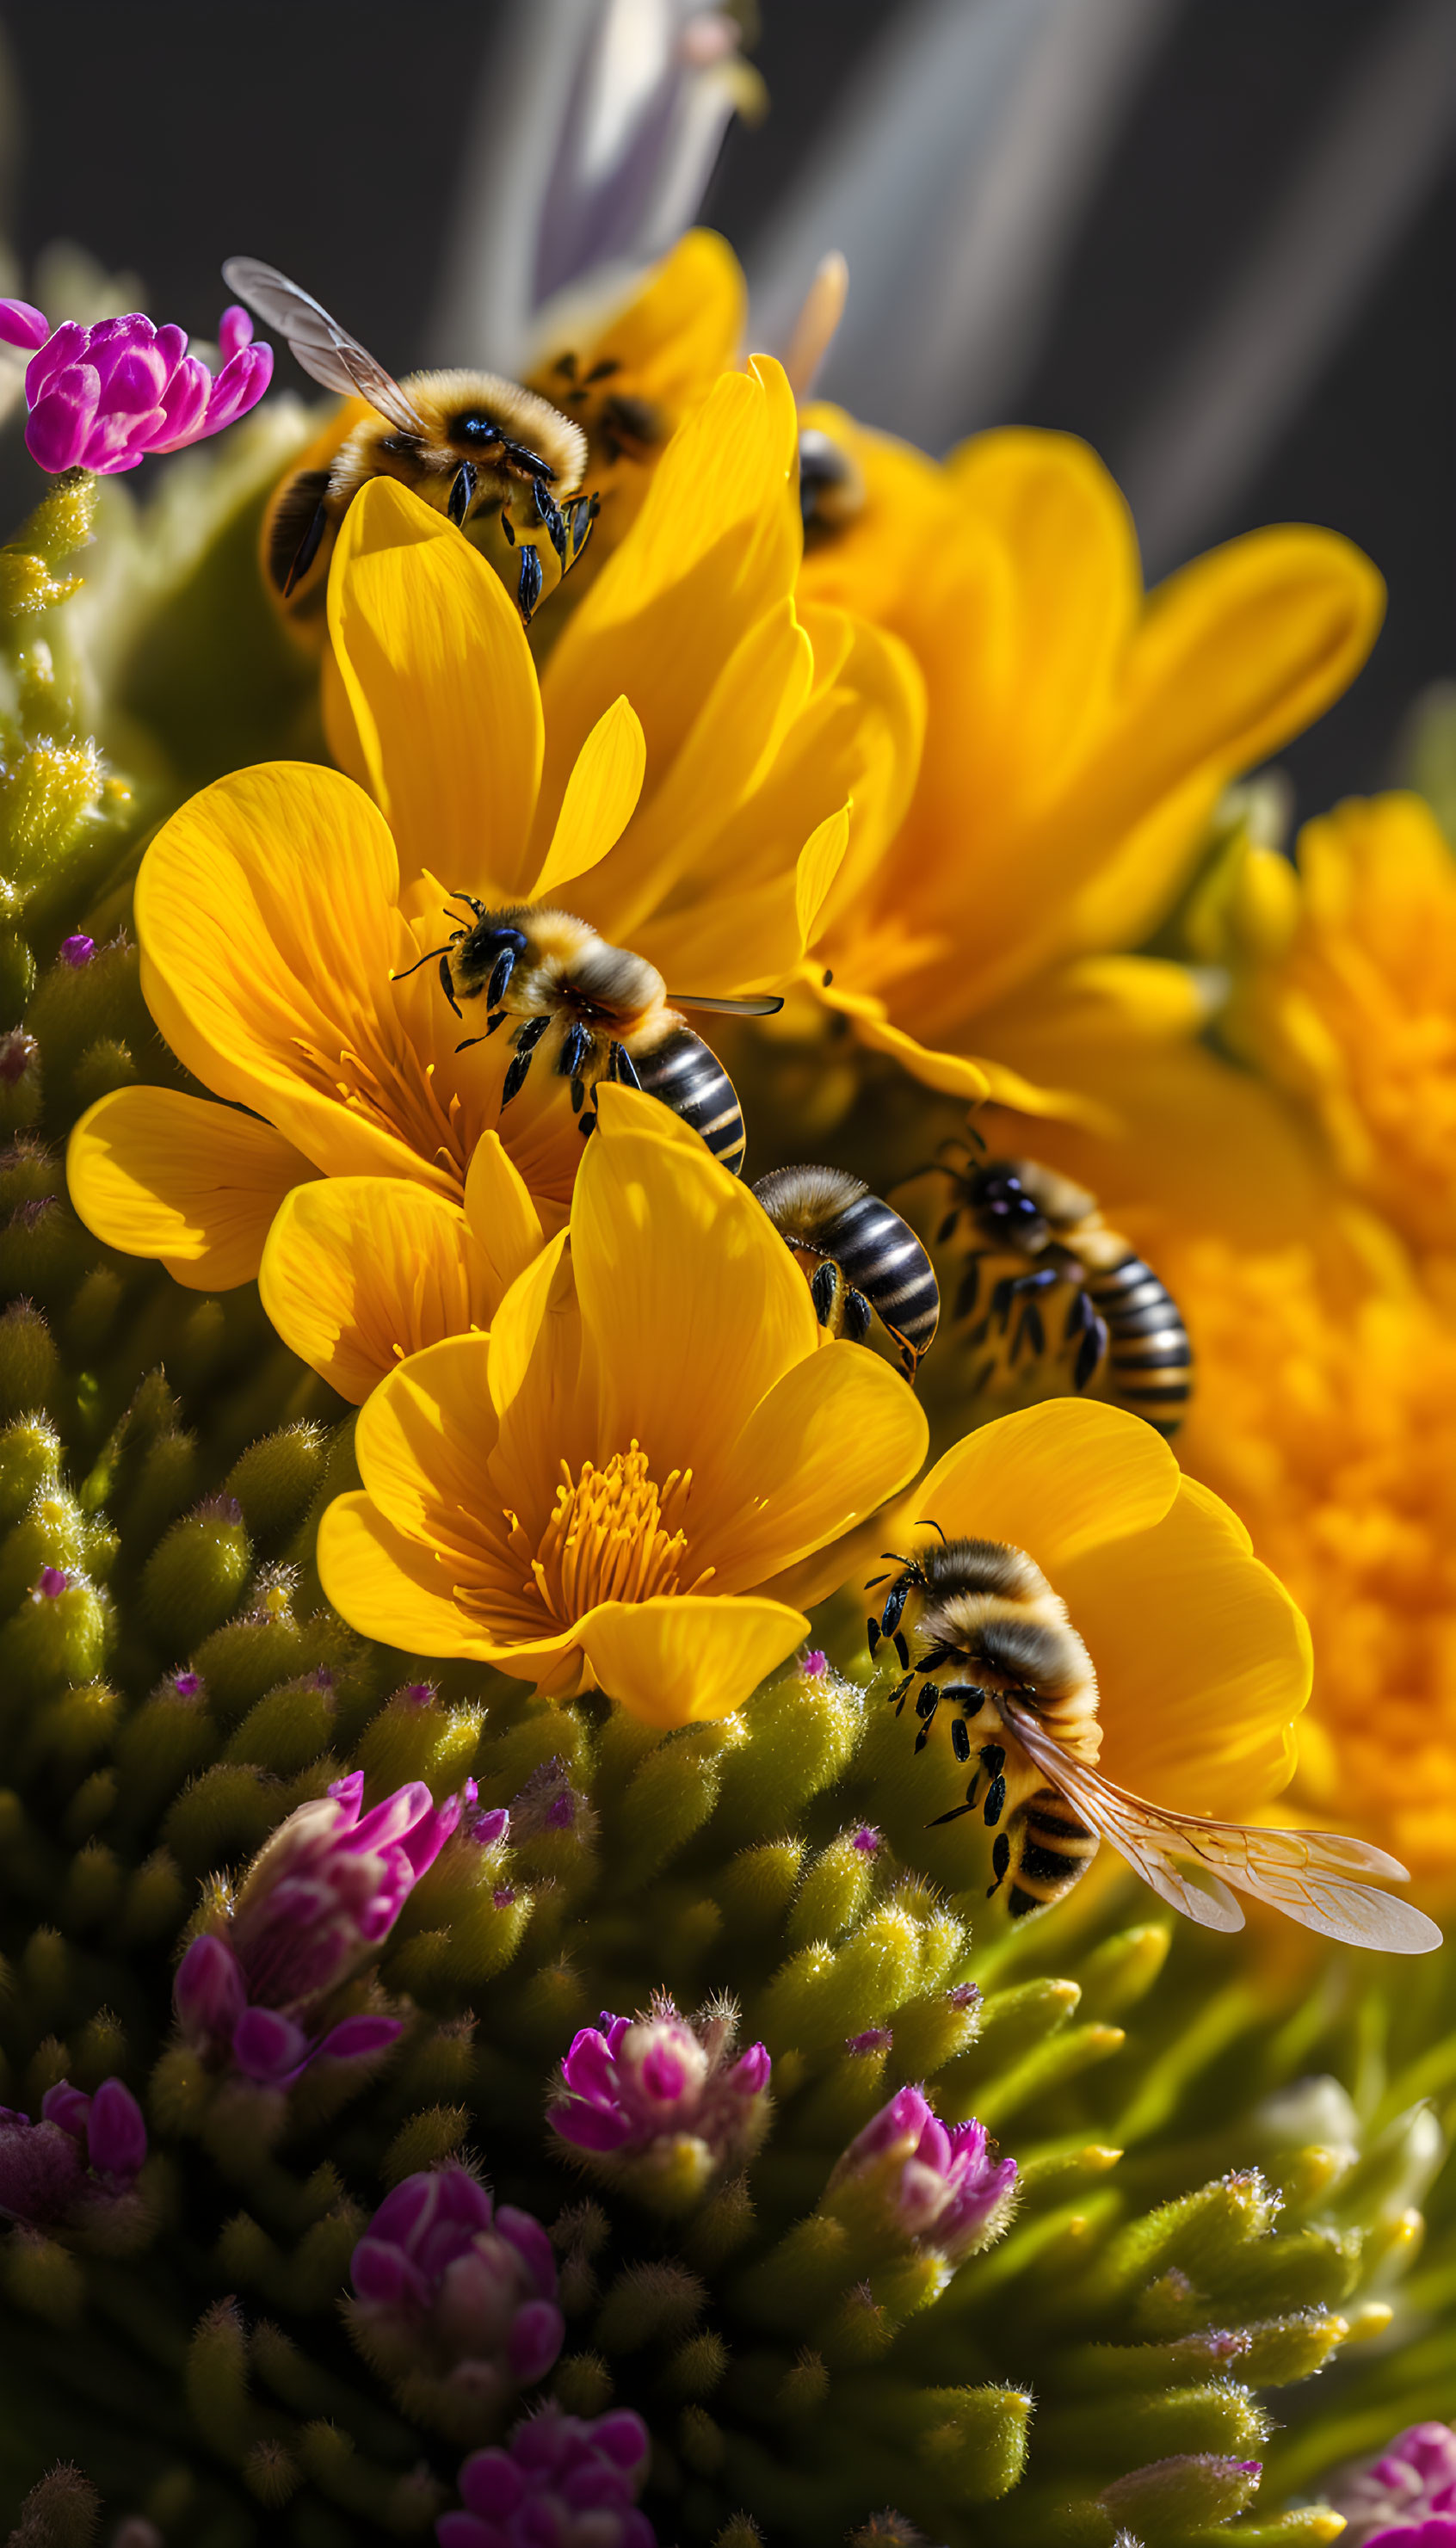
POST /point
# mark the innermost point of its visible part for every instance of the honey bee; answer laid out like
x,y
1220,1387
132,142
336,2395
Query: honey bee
x,y
1122,1325
468,443
594,1012
977,1624
861,1258
831,485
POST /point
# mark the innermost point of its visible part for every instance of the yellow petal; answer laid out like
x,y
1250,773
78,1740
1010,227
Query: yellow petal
x,y
955,1074
159,1174
679,1659
502,1216
831,1442
755,939
266,914
391,1587
714,548
692,1305
423,1444
679,330
1203,1659
600,798
1059,1480
360,1271
443,691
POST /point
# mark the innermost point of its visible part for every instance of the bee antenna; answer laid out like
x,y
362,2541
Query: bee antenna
x,y
934,1525
420,959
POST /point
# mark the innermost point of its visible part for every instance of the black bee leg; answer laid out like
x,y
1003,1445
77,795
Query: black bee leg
x,y
462,494
1000,1861
971,1701
894,1602
500,972
448,987
507,527
871,1632
307,550
576,1048
856,1316
587,1123
495,1019
1093,1345
626,1067
902,1649
824,1292
900,1693
948,1226
994,1760
528,589
955,1812
549,512
579,527
926,1701
526,1045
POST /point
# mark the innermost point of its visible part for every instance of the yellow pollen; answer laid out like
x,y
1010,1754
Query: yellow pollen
x,y
614,1535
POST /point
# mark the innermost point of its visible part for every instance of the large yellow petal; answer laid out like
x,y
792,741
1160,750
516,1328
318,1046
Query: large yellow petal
x,y
692,1305
359,1272
393,1587
600,798
266,914
159,1174
831,1442
1203,1659
423,1444
1060,1481
682,328
715,547
754,940
954,1075
444,690
679,1659
502,1216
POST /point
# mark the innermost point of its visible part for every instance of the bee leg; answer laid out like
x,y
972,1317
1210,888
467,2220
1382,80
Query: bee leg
x,y
528,589
1000,1308
824,1292
576,1049
856,1316
1000,1862
462,494
1093,1345
549,512
587,1123
495,1019
900,1693
500,973
993,1760
526,1045
583,519
894,1602
955,1812
926,1701
948,1226
448,987
871,1633
971,1701
507,527
902,1649
626,1067
307,550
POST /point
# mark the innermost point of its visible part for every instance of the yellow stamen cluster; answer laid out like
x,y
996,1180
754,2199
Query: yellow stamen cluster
x,y
614,1536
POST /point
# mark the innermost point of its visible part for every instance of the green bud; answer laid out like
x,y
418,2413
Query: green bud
x,y
318,2268
94,1801
803,2389
16,976
741,2532
155,1900
30,1464
193,1578
29,1366
22,1085
222,1817
287,1730
1193,2236
697,2368
1041,2074
757,1886
51,1534
53,1638
583,2383
930,2032
100,2050
100,1068
1217,2416
63,519
1160,2503
92,1887
43,2278
651,2304
1315,2267
722,2226
168,1741
417,1736
426,2140
276,1479
472,1923
272,2474
77,1007
700,2440
28,1173
670,1797
835,1890
802,1733
70,1728
62,2511
825,1995
215,2381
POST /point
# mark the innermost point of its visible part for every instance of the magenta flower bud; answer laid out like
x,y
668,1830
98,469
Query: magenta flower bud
x,y
17,1053
102,398
453,2291
660,2102
72,2166
875,2039
815,1664
51,1583
938,2185
42,2171
328,1888
1407,2499
115,2135
23,324
77,950
67,2106
209,1993
560,2478
867,1839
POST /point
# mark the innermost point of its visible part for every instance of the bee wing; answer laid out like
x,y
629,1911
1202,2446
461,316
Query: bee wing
x,y
1298,1873
319,345
760,1004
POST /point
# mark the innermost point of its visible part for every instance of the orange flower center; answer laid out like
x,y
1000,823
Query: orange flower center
x,y
614,1535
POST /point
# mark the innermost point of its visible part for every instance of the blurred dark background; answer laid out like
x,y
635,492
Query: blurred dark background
x,y
162,136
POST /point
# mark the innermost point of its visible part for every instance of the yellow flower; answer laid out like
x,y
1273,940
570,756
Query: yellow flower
x,y
597,1493
1354,1006
274,909
1077,738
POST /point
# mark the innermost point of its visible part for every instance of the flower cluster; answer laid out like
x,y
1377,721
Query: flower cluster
x,y
76,2166
660,2104
102,398
938,2185
449,2288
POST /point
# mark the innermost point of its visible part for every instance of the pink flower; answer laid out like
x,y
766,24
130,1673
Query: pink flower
x,y
563,2479
938,2184
661,2093
102,398
317,1899
73,2165
1407,2499
448,2285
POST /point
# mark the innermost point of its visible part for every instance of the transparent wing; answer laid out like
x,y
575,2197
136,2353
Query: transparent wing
x,y
319,345
1302,1874
760,1004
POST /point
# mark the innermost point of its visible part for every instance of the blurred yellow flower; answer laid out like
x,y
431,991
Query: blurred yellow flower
x,y
594,1494
1077,738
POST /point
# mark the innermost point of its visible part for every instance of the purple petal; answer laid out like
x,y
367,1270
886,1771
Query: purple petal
x,y
663,2073
751,2072
357,2035
349,1792
67,2106
239,386
121,441
623,2437
589,2070
77,950
137,380
61,422
424,1843
491,2483
383,2274
588,2127
526,2236
393,1817
21,323
234,330
171,345
462,2530
184,402
537,2334
267,2047
209,1993
116,2135
66,347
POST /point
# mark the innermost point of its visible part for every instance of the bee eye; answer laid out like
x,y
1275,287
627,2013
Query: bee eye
x,y
474,429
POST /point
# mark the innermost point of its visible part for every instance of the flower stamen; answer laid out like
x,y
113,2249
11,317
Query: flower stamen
x,y
613,1534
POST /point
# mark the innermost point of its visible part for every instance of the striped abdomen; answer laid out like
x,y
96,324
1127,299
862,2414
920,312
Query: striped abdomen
x,y
880,1255
683,1074
1054,1848
1149,1361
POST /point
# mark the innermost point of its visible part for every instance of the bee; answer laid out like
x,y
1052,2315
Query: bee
x,y
831,485
861,1258
976,1625
1122,1325
594,1012
468,443
616,424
